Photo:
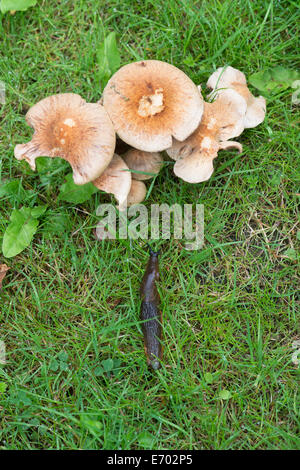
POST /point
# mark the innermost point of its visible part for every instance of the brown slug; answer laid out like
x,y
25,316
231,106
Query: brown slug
x,y
150,314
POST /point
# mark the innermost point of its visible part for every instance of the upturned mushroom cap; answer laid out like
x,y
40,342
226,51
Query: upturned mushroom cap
x,y
226,77
151,101
137,193
66,126
145,162
230,78
222,120
116,180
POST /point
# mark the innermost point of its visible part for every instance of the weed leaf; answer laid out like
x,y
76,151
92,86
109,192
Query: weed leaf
x,y
37,211
108,365
71,192
225,395
108,58
49,168
16,5
274,80
21,230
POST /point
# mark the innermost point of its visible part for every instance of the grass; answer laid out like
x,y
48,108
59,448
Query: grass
x,y
230,310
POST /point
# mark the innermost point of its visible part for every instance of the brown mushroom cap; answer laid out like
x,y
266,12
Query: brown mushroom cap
x,y
145,162
230,78
116,180
151,101
66,126
222,120
137,192
226,77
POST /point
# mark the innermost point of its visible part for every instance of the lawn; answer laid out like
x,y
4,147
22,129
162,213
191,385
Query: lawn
x,y
76,375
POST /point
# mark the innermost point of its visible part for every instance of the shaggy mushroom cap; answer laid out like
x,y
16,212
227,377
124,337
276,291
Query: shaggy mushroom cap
x,y
222,120
116,180
66,126
229,78
151,101
137,192
148,163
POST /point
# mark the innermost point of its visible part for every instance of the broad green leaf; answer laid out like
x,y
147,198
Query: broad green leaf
x,y
14,189
19,233
37,211
276,179
94,426
34,422
117,368
189,61
274,80
48,168
260,80
63,356
18,213
284,76
71,192
98,371
50,164
290,253
225,395
21,230
54,365
55,222
108,57
23,398
3,387
16,5
146,440
10,188
107,365
63,366
112,53
208,377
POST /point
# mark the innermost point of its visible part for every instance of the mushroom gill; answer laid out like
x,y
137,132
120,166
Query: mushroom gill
x,y
66,126
222,120
225,78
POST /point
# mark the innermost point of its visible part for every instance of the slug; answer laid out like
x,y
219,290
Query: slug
x,y
150,314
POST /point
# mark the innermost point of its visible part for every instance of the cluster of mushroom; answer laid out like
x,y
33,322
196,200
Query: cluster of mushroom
x,y
152,106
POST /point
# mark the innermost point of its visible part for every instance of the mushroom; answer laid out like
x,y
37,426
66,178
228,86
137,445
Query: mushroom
x,y
151,101
66,126
222,120
116,180
145,165
230,78
137,192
